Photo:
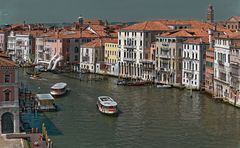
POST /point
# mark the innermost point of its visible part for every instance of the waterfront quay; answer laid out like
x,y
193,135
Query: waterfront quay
x,y
150,116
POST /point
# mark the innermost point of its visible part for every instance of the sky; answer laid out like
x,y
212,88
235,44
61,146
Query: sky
x,y
57,11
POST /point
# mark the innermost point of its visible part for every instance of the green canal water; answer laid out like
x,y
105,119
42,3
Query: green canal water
x,y
150,117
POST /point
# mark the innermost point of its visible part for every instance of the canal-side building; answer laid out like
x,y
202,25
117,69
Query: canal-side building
x,y
235,75
92,55
209,72
223,46
133,41
111,57
3,40
194,56
9,102
148,63
169,56
21,48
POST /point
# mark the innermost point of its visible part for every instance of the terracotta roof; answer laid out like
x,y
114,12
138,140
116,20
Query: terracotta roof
x,y
99,42
180,33
234,35
5,61
158,25
148,26
196,40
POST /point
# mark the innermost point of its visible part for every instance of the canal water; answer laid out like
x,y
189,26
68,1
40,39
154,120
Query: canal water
x,y
150,117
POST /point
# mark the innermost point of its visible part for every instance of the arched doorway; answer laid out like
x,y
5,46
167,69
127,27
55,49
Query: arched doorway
x,y
7,123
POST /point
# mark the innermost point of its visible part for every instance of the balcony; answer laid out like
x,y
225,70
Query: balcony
x,y
146,61
165,44
165,56
130,46
129,60
164,69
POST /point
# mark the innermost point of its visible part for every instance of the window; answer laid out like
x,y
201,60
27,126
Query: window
x,y
140,43
76,40
7,78
76,50
7,95
76,57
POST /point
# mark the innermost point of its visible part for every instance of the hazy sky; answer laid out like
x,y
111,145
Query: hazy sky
x,y
41,11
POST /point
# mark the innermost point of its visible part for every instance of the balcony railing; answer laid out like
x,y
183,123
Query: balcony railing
x,y
130,46
146,61
129,59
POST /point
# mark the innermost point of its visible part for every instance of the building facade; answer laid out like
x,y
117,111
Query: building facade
x,y
235,75
9,102
21,48
222,67
169,59
193,72
111,58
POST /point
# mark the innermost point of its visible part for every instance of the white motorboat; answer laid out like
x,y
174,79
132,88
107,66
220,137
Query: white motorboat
x,y
107,105
59,89
164,86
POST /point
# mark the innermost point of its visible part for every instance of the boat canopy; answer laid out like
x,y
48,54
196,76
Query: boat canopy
x,y
44,97
107,101
59,85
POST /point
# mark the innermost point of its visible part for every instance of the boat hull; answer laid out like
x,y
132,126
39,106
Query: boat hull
x,y
106,112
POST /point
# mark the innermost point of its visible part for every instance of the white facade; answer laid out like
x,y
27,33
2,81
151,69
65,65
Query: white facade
x,y
20,48
222,68
87,58
193,65
131,49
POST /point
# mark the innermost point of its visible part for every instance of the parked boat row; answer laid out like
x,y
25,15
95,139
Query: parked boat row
x,y
131,83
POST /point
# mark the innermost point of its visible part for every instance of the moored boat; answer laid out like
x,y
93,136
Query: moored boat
x,y
164,86
59,89
107,105
45,102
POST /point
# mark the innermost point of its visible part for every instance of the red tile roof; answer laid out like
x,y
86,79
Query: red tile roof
x,y
5,61
148,26
163,25
100,42
196,40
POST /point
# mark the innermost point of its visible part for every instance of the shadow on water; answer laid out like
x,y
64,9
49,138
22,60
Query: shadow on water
x,y
35,120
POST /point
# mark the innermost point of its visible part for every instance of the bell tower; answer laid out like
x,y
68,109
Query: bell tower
x,y
210,14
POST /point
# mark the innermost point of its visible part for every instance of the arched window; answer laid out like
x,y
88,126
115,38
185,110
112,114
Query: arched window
x,y
7,93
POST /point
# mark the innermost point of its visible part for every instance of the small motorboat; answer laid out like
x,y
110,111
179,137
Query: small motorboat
x,y
35,77
59,89
121,82
107,105
164,86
